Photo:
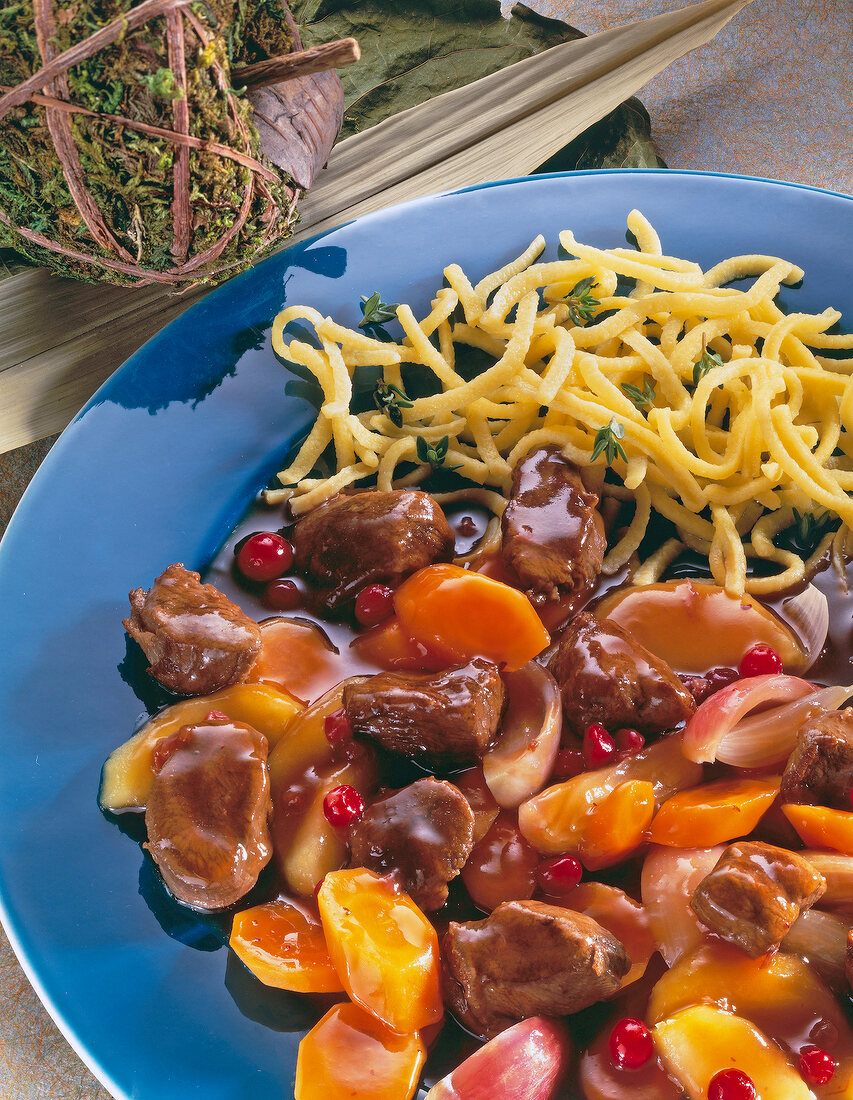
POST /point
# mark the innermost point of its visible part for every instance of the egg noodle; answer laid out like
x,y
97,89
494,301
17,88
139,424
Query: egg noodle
x,y
736,421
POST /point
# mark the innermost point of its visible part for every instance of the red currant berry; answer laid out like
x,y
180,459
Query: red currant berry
x,y
698,687
559,875
343,806
629,741
568,763
337,727
761,660
631,1044
598,746
216,716
318,887
281,595
374,604
721,677
731,1084
816,1066
264,556
466,527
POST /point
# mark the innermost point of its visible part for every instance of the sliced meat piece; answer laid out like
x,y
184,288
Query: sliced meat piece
x,y
196,640
421,834
442,719
605,676
208,812
356,539
820,769
755,893
528,958
553,534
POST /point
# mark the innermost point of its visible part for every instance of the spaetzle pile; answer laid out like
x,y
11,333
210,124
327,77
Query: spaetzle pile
x,y
722,416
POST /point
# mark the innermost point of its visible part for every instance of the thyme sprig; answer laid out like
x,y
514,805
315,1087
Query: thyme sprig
x,y
707,361
582,305
375,313
811,527
433,453
640,398
391,399
607,442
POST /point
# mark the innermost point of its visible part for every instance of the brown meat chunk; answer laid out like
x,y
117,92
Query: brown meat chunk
x,y
553,534
208,813
196,640
528,959
755,893
356,539
421,834
605,676
442,719
820,769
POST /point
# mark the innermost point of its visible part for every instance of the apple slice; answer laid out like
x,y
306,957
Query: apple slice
x,y
698,1042
528,1061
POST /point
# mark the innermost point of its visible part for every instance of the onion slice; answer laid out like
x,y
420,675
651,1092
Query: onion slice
x,y
520,763
808,613
821,939
526,1062
670,875
769,738
719,714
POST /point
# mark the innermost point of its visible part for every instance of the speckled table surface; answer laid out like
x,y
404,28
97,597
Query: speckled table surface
x,y
771,96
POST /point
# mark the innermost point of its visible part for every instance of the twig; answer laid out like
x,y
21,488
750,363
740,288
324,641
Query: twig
x,y
274,70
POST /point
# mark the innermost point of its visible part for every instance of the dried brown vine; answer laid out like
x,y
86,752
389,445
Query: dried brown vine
x,y
125,152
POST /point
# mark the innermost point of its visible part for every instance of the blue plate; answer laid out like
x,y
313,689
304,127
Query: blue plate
x,y
157,468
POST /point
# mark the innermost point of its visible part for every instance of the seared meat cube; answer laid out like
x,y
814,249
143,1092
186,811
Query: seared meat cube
x,y
441,719
528,959
421,834
820,770
208,812
356,539
553,534
605,676
196,640
755,893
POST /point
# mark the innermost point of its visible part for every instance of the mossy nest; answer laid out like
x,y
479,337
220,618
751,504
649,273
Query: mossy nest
x,y
126,154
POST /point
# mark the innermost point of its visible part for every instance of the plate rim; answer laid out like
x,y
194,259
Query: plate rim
x,y
80,1046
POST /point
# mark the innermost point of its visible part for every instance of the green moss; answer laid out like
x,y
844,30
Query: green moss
x,y
130,174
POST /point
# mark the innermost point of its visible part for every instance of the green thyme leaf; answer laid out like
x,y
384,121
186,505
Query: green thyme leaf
x,y
375,313
811,527
391,399
708,360
433,453
641,398
607,442
582,305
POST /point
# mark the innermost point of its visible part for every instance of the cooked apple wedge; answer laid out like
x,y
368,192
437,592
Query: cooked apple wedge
x,y
697,1043
129,770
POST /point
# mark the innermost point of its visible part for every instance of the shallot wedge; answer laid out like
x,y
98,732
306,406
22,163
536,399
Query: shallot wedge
x,y
670,875
521,761
720,714
528,1061
769,737
821,939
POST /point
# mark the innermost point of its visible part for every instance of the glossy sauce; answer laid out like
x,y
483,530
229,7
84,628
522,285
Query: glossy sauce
x,y
503,865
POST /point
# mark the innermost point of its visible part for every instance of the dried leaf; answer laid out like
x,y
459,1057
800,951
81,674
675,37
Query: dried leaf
x,y
413,51
299,120
621,139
